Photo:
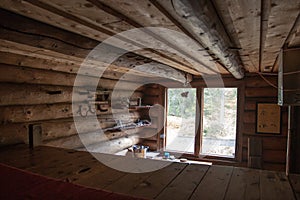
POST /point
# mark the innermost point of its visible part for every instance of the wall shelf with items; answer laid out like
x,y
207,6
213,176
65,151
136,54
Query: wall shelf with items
x,y
141,107
121,126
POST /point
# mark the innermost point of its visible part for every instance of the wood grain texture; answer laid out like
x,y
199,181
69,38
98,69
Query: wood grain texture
x,y
152,186
244,26
275,185
210,33
278,29
244,184
219,181
214,184
295,183
187,180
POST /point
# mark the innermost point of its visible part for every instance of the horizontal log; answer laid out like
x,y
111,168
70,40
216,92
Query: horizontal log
x,y
256,81
114,146
27,94
54,130
14,74
274,166
275,144
274,156
61,128
249,117
34,113
216,81
86,139
41,41
34,27
13,134
269,143
261,92
22,94
27,58
250,103
249,130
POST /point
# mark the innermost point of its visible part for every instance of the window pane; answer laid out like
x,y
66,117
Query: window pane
x,y
181,119
219,122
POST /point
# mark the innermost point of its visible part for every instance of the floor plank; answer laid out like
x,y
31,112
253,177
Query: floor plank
x,y
127,183
176,181
275,185
158,180
295,182
244,184
102,178
214,184
187,181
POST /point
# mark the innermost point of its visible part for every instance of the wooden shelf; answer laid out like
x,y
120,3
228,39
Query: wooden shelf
x,y
140,107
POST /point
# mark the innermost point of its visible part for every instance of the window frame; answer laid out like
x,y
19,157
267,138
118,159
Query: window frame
x,y
199,131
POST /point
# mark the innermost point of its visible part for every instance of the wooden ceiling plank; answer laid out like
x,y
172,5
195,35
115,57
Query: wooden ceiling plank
x,y
78,17
142,14
26,9
278,30
293,40
245,17
200,19
138,12
224,14
265,12
29,10
24,31
63,9
28,56
205,56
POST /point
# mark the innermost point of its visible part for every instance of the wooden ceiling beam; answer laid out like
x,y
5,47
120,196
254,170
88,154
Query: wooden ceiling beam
x,y
172,50
200,18
242,20
203,57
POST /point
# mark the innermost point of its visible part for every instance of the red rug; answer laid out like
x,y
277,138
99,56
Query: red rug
x,y
20,184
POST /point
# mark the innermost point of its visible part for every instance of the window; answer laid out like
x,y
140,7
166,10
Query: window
x,y
181,120
219,121
217,136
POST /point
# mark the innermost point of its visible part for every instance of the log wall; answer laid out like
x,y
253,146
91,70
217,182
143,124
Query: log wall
x,y
273,145
38,67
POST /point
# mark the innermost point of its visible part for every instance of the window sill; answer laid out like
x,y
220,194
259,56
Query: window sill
x,y
214,160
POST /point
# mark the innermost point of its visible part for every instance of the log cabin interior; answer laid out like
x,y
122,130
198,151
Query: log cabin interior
x,y
84,78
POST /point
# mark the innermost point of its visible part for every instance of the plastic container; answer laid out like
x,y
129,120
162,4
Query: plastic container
x,y
139,151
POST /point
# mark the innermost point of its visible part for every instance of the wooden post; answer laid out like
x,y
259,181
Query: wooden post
x,y
288,147
35,135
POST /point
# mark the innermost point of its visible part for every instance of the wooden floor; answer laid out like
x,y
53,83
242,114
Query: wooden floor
x,y
176,181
